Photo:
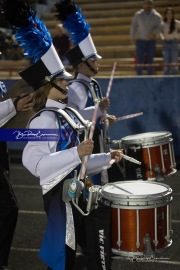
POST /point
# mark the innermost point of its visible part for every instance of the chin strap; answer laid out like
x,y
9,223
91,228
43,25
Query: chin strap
x,y
64,92
90,67
49,79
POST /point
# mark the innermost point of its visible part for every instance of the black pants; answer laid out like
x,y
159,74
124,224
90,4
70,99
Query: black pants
x,y
93,235
8,216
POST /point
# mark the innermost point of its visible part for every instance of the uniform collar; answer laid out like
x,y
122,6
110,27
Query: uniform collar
x,y
84,77
56,104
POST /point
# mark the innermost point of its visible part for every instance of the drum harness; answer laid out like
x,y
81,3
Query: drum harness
x,y
83,126
104,139
95,92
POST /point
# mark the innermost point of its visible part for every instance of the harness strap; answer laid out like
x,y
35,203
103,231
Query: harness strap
x,y
90,88
65,115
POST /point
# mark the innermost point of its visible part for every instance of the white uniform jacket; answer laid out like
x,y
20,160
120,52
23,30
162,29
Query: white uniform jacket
x,y
7,111
42,160
77,98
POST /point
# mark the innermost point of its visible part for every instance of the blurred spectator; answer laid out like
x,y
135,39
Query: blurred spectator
x,y
14,51
61,43
9,48
170,37
3,45
146,25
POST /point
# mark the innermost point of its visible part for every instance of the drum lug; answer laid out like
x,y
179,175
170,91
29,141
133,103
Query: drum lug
x,y
170,234
148,248
138,245
167,238
172,167
119,243
159,176
156,242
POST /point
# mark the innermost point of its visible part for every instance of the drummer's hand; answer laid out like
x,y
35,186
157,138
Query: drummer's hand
x,y
23,102
116,155
85,148
104,104
111,119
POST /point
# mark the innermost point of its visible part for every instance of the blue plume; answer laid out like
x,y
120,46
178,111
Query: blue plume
x,y
73,20
77,26
3,89
31,33
34,38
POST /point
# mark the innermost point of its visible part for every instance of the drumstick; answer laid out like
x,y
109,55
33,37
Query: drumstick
x,y
131,159
121,188
111,80
127,158
106,122
91,132
128,116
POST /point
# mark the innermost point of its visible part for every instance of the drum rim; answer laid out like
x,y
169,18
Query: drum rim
x,y
115,204
112,197
134,254
150,140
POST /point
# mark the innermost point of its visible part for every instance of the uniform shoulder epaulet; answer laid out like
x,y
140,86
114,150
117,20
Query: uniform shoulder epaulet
x,y
81,81
61,112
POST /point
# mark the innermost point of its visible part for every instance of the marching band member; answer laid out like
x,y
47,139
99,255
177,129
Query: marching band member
x,y
10,107
54,162
84,90
8,202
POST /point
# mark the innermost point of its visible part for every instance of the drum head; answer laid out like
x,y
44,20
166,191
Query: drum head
x,y
147,138
136,193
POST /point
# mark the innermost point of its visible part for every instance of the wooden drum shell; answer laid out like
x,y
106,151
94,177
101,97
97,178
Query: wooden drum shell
x,y
154,150
138,209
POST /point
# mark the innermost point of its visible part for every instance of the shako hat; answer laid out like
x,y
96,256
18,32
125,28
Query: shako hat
x,y
79,29
32,34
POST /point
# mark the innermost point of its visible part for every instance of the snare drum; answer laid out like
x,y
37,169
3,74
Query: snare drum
x,y
156,153
141,216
